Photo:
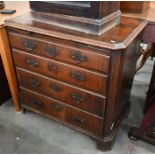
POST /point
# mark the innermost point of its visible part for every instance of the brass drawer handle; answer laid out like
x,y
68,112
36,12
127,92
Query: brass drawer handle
x,y
57,107
78,119
52,67
78,76
38,103
34,82
78,98
77,56
55,87
32,62
51,51
29,45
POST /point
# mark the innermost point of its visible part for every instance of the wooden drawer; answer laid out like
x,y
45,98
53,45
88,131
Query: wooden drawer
x,y
84,121
36,45
42,104
67,73
71,95
73,117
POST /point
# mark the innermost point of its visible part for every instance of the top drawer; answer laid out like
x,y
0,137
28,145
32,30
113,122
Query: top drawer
x,y
43,47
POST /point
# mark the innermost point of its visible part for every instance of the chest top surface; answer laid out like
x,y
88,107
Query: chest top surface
x,y
118,37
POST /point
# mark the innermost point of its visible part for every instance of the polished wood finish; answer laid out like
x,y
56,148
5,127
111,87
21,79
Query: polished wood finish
x,y
63,72
62,112
50,48
134,6
113,39
71,95
84,121
42,104
105,87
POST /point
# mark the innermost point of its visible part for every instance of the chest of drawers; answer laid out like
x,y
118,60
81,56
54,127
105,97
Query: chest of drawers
x,y
80,80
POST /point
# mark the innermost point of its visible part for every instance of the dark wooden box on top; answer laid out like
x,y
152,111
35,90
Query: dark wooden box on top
x,y
85,16
4,88
134,6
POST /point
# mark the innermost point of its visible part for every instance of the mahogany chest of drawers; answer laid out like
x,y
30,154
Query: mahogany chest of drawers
x,y
80,80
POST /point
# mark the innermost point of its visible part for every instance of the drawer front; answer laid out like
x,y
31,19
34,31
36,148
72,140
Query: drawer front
x,y
63,92
64,113
68,54
84,121
67,73
42,104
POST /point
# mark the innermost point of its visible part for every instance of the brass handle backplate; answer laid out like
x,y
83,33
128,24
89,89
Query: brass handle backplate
x,y
57,107
53,67
77,56
34,82
78,76
29,45
32,62
79,119
38,103
78,97
55,87
51,51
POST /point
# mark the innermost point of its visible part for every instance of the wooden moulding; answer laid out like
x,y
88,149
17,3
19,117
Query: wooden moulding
x,y
81,24
28,23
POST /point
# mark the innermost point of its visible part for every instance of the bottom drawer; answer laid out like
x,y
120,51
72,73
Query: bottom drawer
x,y
67,114
42,104
84,121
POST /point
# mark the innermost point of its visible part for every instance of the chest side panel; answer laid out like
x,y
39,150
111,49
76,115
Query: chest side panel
x,y
120,83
